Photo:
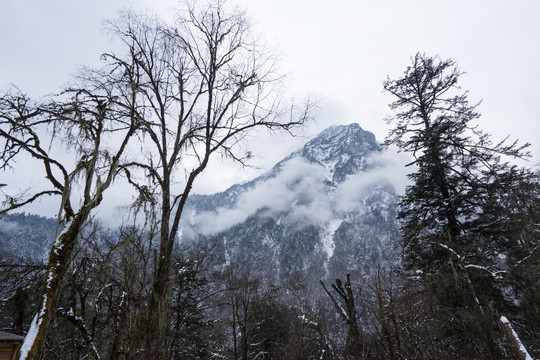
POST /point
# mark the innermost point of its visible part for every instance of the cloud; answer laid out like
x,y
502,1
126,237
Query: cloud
x,y
385,167
8,226
299,187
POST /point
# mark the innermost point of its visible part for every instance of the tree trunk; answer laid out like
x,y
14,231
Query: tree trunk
x,y
33,346
158,308
520,351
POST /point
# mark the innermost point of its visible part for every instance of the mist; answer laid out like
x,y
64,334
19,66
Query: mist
x,y
301,188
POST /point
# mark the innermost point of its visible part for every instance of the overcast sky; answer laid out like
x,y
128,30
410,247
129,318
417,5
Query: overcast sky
x,y
340,51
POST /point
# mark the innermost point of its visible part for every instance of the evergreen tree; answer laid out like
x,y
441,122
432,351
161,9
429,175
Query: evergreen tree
x,y
456,220
444,212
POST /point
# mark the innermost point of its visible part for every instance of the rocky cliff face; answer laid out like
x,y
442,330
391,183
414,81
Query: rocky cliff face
x,y
323,211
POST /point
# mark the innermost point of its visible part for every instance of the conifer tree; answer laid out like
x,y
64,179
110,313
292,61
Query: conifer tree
x,y
456,220
458,167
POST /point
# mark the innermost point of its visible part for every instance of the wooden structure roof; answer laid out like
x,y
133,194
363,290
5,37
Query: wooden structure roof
x,y
9,343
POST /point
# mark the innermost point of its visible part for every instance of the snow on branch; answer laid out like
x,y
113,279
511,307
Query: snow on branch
x,y
495,274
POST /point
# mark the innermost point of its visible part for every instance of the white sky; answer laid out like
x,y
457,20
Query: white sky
x,y
340,51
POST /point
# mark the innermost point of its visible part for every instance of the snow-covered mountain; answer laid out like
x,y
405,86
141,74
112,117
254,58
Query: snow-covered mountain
x,y
323,211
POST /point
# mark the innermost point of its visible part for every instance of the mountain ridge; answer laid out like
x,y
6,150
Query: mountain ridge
x,y
311,151
323,210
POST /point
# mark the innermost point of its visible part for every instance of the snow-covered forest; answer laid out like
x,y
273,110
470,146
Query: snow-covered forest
x,y
332,254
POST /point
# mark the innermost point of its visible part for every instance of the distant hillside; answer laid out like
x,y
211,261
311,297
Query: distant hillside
x,y
27,235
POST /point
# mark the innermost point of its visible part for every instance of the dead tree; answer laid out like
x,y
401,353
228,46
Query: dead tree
x,y
355,346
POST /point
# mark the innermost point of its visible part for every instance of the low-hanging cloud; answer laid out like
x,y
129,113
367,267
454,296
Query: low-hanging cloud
x,y
8,226
297,184
299,188
385,168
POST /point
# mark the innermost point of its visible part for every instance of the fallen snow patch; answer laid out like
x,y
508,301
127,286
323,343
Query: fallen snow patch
x,y
327,238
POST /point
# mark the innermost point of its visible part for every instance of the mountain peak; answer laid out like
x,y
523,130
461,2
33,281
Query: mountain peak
x,y
342,149
299,218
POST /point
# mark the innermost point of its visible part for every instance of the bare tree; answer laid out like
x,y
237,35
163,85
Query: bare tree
x,y
355,346
85,121
205,83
